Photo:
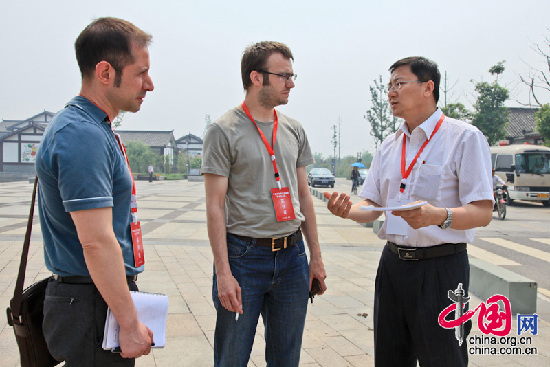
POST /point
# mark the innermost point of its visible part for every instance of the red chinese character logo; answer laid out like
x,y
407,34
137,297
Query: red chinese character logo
x,y
491,320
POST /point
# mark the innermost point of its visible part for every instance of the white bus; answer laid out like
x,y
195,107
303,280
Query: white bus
x,y
526,170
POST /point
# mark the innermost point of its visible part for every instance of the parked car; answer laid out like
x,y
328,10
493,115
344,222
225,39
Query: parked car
x,y
362,175
320,177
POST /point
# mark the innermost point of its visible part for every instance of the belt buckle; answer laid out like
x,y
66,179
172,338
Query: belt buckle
x,y
406,253
273,249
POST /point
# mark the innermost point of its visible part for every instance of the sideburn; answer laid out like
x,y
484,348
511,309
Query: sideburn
x,y
118,79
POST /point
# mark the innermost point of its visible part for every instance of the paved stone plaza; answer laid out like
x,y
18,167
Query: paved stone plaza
x,y
178,263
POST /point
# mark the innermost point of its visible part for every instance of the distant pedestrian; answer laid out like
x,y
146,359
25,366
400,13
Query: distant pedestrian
x,y
151,172
257,205
354,179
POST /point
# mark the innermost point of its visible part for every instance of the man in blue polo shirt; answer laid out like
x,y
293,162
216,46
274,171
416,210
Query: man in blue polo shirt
x,y
86,201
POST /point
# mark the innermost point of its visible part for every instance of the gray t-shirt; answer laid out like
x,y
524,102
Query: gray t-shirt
x,y
233,148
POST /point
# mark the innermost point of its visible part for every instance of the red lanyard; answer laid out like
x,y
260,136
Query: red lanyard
x,y
270,149
133,205
406,172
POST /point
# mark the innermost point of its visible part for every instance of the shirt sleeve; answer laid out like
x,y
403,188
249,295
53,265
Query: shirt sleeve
x,y
371,186
83,161
474,172
304,154
216,156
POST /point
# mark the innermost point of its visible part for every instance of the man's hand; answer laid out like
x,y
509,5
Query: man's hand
x,y
338,205
317,270
424,216
136,341
229,293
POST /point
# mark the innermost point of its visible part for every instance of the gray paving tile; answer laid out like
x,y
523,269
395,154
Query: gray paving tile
x,y
179,263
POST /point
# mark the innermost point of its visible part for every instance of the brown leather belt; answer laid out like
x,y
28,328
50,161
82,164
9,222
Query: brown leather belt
x,y
277,243
77,279
419,253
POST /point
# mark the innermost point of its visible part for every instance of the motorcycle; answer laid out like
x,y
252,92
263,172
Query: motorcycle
x,y
500,201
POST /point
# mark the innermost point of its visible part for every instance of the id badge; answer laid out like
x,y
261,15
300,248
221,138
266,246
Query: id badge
x,y
396,225
138,244
283,204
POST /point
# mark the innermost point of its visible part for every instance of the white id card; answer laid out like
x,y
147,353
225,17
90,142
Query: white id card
x,y
396,225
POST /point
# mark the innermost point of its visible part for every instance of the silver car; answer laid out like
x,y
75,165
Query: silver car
x,y
362,175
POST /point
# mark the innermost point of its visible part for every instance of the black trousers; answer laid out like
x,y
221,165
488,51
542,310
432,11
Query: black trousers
x,y
409,296
74,320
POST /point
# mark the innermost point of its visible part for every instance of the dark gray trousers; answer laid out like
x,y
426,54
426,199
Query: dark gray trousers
x,y
74,320
409,295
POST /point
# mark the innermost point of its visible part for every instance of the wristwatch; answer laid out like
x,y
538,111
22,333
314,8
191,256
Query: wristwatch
x,y
447,222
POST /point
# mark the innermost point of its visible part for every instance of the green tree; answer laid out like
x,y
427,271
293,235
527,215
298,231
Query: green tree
x,y
490,115
334,143
382,122
366,158
457,111
195,162
542,118
118,119
140,156
207,122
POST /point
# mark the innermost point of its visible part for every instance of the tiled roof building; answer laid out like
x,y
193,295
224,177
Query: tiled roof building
x,y
18,142
191,145
521,127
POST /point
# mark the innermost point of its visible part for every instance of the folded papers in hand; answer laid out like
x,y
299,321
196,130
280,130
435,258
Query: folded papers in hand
x,y
152,310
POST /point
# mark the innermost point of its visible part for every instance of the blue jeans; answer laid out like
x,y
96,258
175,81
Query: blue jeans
x,y
274,284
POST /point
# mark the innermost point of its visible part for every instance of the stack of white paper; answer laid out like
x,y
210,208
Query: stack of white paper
x,y
152,310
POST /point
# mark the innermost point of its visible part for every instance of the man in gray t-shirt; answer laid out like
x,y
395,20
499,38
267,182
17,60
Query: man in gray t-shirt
x,y
258,203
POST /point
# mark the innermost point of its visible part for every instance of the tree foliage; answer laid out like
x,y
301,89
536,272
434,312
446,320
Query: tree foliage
x,y
207,122
334,139
382,122
118,119
457,111
542,118
140,156
490,115
497,69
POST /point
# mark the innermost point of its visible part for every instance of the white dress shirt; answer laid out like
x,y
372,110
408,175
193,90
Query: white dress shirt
x,y
496,181
454,169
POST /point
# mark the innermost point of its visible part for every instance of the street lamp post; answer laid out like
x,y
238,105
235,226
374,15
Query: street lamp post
x,y
187,152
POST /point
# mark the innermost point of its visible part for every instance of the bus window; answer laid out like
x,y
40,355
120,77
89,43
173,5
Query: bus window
x,y
520,164
504,163
536,163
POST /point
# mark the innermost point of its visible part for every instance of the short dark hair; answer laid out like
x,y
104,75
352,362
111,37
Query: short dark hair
x,y
108,39
255,58
423,68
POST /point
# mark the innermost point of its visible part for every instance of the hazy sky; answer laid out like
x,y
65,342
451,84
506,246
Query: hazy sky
x,y
340,47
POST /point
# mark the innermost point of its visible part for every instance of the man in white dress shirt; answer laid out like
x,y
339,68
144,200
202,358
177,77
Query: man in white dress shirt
x,y
447,164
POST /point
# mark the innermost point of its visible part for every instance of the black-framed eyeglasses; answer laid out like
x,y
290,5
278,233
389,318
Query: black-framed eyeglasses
x,y
285,76
398,84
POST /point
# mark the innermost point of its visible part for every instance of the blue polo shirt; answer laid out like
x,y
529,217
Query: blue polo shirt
x,y
80,167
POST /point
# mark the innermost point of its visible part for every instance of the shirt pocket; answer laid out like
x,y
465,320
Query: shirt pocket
x,y
428,184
